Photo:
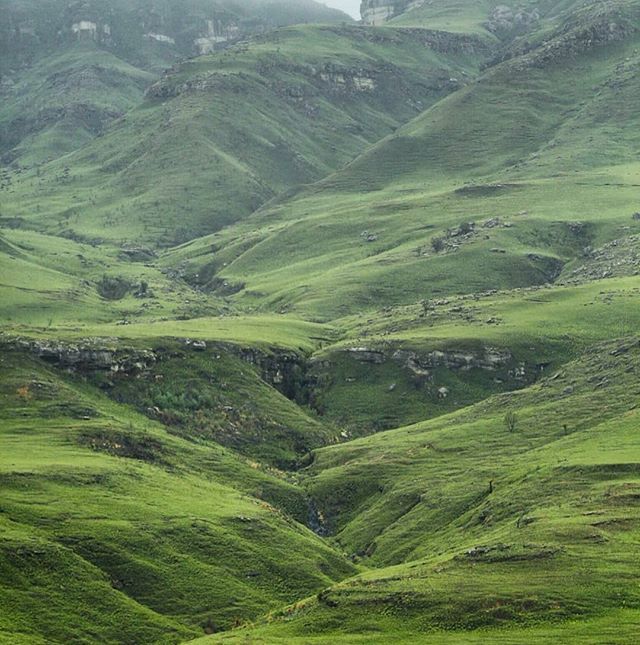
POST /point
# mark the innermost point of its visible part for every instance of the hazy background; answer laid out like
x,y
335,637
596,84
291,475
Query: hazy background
x,y
352,7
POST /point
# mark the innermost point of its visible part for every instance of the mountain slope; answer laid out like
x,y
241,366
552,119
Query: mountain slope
x,y
477,180
68,70
498,536
396,405
162,536
231,130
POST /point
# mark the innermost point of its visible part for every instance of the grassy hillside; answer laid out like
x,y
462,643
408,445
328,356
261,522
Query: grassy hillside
x,y
64,101
163,537
515,175
67,71
222,134
517,534
395,405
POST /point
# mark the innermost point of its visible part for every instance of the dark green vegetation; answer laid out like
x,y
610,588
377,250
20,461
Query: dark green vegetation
x,y
398,404
68,69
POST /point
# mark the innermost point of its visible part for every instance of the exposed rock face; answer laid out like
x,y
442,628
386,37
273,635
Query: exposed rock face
x,y
506,21
366,355
601,25
486,359
87,356
280,368
620,257
217,32
422,367
284,370
330,78
377,12
127,26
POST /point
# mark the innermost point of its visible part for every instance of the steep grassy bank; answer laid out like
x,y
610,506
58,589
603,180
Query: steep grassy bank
x,y
114,530
516,534
386,407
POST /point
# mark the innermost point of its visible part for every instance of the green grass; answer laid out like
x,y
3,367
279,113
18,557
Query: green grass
x,y
539,158
554,536
52,281
65,100
214,396
197,151
148,528
357,374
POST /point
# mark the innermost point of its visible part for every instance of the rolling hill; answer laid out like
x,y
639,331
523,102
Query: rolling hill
x,y
68,70
327,336
220,135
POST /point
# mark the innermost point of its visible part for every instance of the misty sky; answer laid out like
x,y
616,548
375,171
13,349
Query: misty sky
x,y
351,7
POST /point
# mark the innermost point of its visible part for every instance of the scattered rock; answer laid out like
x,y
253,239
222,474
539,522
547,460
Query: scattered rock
x,y
443,392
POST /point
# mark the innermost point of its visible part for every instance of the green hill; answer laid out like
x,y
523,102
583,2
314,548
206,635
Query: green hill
x,y
116,529
69,70
487,535
515,175
220,135
325,336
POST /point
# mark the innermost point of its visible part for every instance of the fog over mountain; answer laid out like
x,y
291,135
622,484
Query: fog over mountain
x,y
352,7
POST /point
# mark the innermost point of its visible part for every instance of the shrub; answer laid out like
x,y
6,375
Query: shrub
x,y
437,244
510,421
113,287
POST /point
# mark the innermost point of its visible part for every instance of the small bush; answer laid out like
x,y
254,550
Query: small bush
x,y
113,287
437,244
510,421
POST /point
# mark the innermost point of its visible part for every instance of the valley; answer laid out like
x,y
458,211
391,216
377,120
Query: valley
x,y
316,331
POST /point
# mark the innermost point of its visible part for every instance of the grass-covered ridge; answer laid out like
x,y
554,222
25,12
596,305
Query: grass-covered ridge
x,y
220,135
68,71
152,528
398,404
515,175
487,529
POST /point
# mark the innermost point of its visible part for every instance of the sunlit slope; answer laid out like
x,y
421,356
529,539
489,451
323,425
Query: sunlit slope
x,y
115,530
50,282
521,535
221,134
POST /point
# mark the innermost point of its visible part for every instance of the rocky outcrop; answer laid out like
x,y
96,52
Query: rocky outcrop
x,y
506,21
487,358
328,78
128,26
598,26
86,355
377,12
282,369
618,258
422,367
